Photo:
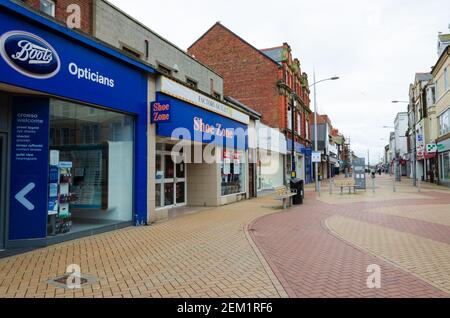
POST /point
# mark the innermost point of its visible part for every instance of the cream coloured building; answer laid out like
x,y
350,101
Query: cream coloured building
x,y
441,79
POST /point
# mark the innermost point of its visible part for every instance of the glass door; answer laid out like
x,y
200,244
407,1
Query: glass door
x,y
180,183
170,185
2,189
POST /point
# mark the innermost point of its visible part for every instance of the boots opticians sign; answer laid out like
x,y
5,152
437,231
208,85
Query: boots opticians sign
x,y
29,54
63,63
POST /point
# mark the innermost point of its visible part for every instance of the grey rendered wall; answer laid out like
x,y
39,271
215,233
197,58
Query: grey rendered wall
x,y
117,29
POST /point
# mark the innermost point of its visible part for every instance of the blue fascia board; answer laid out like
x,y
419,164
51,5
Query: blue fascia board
x,y
72,34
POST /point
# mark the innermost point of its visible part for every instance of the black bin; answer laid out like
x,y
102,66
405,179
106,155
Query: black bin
x,y
299,185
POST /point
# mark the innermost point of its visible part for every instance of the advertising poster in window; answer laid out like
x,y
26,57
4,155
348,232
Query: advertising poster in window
x,y
89,182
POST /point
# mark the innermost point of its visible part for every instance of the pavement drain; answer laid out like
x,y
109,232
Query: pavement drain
x,y
66,280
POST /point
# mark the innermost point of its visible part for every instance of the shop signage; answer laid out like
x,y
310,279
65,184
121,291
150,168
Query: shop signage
x,y
44,60
160,112
193,123
172,88
316,157
431,148
29,160
29,54
443,145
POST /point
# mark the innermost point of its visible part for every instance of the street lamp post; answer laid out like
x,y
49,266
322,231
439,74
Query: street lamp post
x,y
316,165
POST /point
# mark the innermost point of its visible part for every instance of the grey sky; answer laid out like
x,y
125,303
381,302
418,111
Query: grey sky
x,y
375,46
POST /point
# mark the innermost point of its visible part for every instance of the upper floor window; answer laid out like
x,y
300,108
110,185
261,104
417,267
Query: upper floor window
x,y
289,118
48,7
164,70
444,122
191,83
131,52
299,124
446,79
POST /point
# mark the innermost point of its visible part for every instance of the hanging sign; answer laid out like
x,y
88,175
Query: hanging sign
x,y
160,112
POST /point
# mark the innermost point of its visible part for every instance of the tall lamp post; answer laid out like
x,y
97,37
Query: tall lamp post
x,y
415,141
316,166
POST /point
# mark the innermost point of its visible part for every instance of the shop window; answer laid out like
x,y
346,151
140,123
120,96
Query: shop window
x,y
445,167
91,168
233,172
48,7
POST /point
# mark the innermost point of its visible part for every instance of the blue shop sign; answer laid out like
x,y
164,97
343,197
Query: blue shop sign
x,y
43,59
160,112
189,122
299,148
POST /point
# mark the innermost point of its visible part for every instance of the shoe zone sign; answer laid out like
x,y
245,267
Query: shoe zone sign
x,y
189,122
44,60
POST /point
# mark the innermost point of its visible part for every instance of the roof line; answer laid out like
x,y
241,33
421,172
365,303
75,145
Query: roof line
x,y
159,36
240,38
74,35
272,48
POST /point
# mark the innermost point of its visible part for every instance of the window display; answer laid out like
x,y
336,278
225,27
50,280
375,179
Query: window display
x,y
91,167
233,172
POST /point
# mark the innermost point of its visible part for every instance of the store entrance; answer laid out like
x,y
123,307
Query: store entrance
x,y
170,179
2,189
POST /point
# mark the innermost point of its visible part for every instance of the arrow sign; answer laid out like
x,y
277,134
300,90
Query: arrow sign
x,y
21,196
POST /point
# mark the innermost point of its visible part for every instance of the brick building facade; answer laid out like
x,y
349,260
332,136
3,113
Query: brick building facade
x,y
62,13
261,79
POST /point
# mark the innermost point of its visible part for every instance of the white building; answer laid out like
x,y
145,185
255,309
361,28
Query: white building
x,y
401,141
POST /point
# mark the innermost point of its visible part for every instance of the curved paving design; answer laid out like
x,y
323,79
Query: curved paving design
x,y
312,261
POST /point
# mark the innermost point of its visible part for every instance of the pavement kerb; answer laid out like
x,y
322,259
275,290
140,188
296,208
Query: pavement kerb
x,y
281,285
359,248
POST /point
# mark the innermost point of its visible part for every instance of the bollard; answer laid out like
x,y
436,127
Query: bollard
x,y
331,186
393,185
320,187
373,185
418,185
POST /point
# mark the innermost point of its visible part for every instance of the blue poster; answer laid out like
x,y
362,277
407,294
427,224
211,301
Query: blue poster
x,y
29,168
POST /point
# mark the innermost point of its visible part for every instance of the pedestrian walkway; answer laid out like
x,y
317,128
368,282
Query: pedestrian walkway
x,y
324,248
207,254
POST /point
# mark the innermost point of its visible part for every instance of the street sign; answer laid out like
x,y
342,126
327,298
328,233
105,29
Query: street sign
x,y
431,148
316,157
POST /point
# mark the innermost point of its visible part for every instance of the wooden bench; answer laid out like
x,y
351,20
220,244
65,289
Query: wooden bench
x,y
284,194
346,183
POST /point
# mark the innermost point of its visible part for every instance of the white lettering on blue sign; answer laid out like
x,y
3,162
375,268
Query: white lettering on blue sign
x,y
88,74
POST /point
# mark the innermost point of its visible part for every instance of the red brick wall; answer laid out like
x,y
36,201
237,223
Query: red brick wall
x,y
248,75
61,13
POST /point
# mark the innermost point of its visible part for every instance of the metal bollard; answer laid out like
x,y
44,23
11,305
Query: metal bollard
x,y
418,185
320,187
373,185
331,186
393,185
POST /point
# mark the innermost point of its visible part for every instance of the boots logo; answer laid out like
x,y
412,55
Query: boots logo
x,y
29,54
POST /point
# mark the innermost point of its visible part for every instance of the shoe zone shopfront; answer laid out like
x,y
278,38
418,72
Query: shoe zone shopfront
x,y
201,149
73,124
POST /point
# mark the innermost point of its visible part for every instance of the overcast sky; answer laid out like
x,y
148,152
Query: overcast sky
x,y
375,46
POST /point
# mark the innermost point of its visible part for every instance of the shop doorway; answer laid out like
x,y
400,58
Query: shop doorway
x,y
2,190
170,180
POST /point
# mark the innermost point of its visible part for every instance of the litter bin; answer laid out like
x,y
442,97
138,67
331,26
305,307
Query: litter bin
x,y
298,185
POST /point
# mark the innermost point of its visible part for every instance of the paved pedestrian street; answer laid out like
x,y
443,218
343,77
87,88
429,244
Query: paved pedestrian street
x,y
322,248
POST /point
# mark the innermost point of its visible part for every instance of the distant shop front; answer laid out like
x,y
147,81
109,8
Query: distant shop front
x,y
201,150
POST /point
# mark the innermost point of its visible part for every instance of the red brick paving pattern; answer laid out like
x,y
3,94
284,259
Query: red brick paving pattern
x,y
310,262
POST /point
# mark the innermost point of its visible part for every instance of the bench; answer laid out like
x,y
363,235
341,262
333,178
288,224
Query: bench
x,y
346,183
284,194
